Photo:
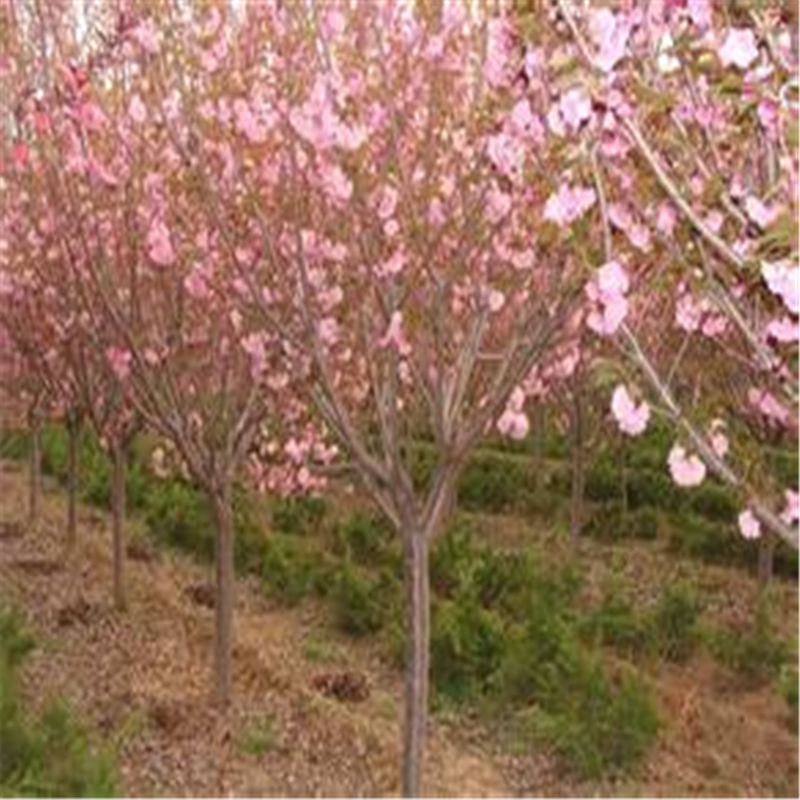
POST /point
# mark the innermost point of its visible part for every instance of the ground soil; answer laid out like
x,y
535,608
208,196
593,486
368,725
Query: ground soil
x,y
330,708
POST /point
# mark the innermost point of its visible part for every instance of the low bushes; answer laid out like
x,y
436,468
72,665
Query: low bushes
x,y
506,637
299,515
668,630
364,604
755,655
49,755
598,723
292,569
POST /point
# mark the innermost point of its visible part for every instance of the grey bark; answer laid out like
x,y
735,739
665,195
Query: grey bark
x,y
578,466
417,660
224,602
118,506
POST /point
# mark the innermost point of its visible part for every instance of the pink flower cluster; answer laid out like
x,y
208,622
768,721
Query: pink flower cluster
x,y
607,292
513,421
631,418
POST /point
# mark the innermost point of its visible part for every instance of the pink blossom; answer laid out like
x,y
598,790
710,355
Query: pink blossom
x,y
329,330
719,440
513,421
247,124
507,154
749,525
394,336
159,246
496,300
768,405
568,204
514,424
498,204
791,513
254,345
575,107
609,33
196,285
783,280
497,66
666,219
609,305
137,111
335,182
119,360
762,215
388,203
686,470
688,313
739,48
394,265
784,330
631,419
146,37
20,155
700,13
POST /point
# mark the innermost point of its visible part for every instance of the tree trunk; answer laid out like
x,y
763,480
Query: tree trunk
x,y
539,427
35,468
224,601
576,500
623,461
417,661
73,436
766,557
118,504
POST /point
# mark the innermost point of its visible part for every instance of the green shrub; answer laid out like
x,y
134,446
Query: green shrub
x,y
714,502
364,538
249,542
609,523
603,481
14,444
49,755
597,725
362,604
495,484
756,655
615,623
674,622
710,541
299,515
669,630
259,737
290,570
651,489
452,559
467,643
179,516
606,728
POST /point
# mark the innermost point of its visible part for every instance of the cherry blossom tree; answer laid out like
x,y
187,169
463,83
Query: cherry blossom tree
x,y
306,231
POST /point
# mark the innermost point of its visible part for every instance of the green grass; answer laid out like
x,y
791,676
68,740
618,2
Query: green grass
x,y
259,737
49,754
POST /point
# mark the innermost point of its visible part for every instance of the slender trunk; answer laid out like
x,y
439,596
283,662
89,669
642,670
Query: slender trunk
x,y
766,557
118,503
539,425
623,461
35,467
417,661
224,601
576,501
73,435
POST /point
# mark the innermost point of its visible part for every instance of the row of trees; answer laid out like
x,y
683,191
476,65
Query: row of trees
x,y
283,236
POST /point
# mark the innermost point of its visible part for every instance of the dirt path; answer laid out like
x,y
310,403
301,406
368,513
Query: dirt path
x,y
142,677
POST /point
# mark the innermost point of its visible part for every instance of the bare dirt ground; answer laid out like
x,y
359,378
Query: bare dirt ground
x,y
142,680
